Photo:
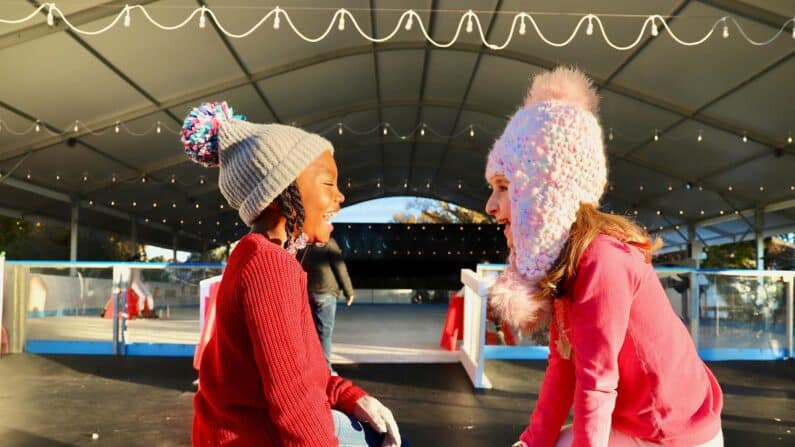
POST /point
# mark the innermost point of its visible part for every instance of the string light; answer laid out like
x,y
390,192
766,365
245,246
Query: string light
x,y
745,138
276,19
339,130
469,17
173,204
656,135
471,131
422,132
134,203
90,202
113,178
58,177
654,30
154,204
76,128
158,128
196,205
378,183
173,179
144,179
386,130
700,136
117,127
38,126
201,180
789,137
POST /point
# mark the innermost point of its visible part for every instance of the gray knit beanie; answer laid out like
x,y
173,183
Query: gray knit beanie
x,y
257,161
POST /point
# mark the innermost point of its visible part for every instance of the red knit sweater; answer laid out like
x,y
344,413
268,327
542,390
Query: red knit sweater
x,y
264,380
634,366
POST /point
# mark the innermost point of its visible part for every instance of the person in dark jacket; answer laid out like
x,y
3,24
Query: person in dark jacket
x,y
326,274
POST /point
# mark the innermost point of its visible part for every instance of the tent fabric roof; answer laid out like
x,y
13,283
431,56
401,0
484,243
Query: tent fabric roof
x,y
140,76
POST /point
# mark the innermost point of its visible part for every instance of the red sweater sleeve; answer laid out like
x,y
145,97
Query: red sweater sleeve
x,y
272,310
602,296
554,400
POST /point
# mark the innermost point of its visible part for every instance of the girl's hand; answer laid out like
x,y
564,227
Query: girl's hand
x,y
370,410
519,444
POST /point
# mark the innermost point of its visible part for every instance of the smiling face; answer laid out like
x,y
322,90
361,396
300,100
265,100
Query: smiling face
x,y
320,197
499,204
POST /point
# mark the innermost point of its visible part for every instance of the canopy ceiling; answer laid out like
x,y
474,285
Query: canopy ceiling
x,y
139,76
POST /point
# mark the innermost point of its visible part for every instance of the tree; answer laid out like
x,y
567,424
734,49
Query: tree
x,y
440,212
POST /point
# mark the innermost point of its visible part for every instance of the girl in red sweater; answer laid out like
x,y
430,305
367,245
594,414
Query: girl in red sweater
x,y
618,352
263,376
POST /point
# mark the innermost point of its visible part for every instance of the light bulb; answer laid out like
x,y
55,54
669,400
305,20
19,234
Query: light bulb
x,y
341,25
157,129
276,20
470,24
127,17
173,179
745,138
76,127
460,185
116,129
85,177
57,177
522,27
173,204
610,134
113,178
38,126
154,204
339,129
700,137
50,18
202,19
589,30
378,184
725,30
386,130
422,131
201,180
789,138
656,136
134,203
654,31
91,202
471,131
143,179
410,20
197,207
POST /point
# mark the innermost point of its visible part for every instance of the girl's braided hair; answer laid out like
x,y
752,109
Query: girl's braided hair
x,y
290,205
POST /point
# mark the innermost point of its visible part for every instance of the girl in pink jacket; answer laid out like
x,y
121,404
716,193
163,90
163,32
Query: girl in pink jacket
x,y
619,355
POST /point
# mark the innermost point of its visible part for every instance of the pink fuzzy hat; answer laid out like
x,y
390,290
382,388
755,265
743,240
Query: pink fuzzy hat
x,y
552,154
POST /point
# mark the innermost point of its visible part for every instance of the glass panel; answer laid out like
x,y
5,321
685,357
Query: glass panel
x,y
742,311
66,303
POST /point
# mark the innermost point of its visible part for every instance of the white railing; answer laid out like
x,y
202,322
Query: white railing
x,y
736,315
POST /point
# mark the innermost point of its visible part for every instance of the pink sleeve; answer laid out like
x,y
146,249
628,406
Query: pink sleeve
x,y
554,400
602,297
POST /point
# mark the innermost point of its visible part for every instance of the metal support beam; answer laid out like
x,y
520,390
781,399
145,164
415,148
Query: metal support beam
x,y
760,238
73,228
134,238
174,246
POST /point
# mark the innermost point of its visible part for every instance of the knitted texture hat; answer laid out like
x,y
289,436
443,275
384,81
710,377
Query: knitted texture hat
x,y
257,161
552,154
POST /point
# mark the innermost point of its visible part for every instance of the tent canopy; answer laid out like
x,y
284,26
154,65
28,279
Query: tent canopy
x,y
138,76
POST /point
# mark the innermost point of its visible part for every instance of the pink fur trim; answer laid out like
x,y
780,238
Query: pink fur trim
x,y
515,301
564,84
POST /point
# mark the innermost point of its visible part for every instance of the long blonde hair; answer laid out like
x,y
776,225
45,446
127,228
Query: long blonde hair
x,y
590,223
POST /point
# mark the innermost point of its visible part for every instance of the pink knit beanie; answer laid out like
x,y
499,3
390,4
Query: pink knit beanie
x,y
552,154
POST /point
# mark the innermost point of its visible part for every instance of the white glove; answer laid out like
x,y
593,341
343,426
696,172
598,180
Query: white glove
x,y
370,410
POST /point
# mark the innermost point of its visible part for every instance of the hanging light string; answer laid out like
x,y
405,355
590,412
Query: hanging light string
x,y
468,23
79,126
386,129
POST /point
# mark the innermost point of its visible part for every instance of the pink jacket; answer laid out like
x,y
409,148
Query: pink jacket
x,y
633,366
